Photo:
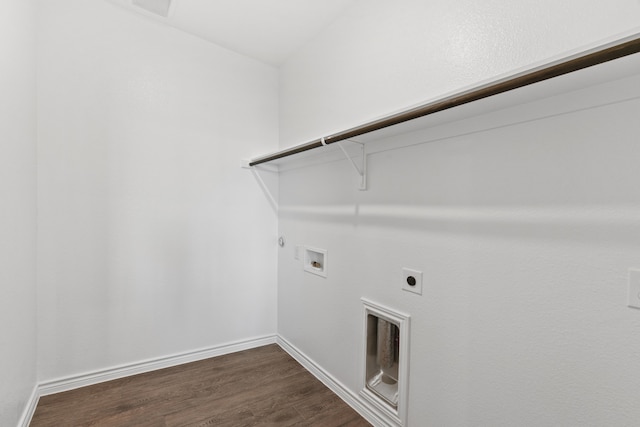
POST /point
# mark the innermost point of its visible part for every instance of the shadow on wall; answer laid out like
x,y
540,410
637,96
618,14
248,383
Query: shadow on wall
x,y
583,223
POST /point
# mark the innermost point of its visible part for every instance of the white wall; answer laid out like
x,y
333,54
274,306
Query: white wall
x,y
18,208
152,240
523,221
381,57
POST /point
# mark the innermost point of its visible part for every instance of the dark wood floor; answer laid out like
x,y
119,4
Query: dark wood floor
x,y
258,387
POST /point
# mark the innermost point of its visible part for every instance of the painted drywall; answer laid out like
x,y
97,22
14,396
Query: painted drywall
x,y
523,221
380,57
18,208
524,224
152,240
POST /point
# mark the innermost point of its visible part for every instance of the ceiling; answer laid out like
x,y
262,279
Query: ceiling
x,y
267,30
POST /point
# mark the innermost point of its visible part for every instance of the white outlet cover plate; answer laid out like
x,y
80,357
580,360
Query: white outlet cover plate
x,y
417,289
633,296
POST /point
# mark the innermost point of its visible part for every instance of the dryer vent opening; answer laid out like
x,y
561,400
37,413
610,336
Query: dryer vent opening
x,y
386,362
383,348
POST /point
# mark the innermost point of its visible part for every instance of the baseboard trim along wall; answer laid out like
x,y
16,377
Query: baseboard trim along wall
x,y
30,408
70,383
353,400
91,378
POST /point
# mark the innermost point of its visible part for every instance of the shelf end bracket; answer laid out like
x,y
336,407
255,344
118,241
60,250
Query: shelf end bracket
x,y
360,170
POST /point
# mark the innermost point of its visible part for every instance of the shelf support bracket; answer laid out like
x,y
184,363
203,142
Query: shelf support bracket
x,y
360,170
263,185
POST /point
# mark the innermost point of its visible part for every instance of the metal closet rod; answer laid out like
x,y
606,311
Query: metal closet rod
x,y
584,61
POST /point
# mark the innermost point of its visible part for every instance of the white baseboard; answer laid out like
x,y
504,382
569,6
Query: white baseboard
x,y
334,385
91,378
30,408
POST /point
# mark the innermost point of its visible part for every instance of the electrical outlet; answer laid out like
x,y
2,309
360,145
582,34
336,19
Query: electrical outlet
x,y
412,281
633,295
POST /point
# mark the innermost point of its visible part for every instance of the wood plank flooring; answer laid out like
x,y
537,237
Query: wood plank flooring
x,y
258,387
